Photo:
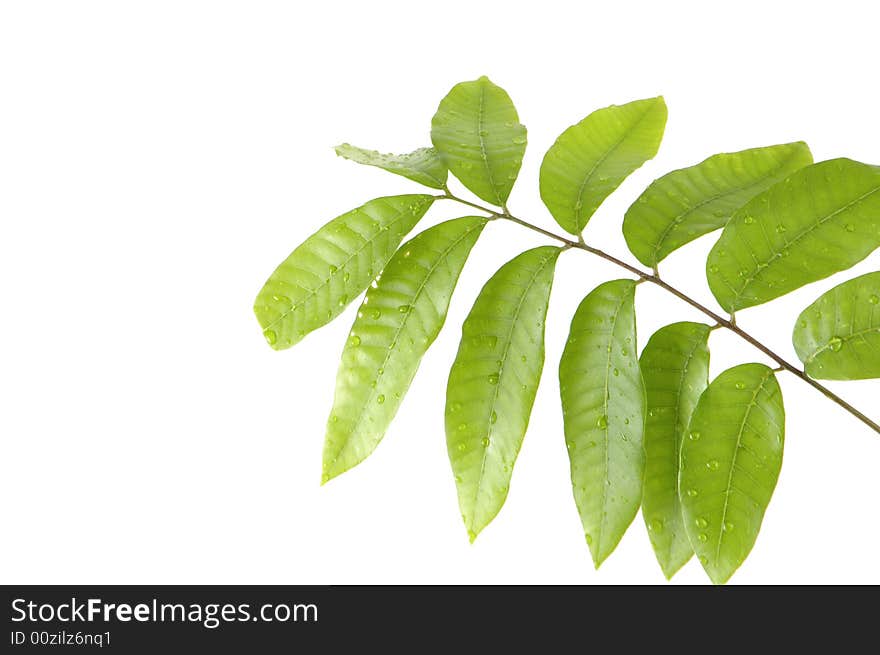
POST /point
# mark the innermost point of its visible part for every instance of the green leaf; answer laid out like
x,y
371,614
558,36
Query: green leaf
x,y
396,324
493,382
330,268
823,219
838,336
688,203
730,462
477,131
603,407
423,165
675,366
590,160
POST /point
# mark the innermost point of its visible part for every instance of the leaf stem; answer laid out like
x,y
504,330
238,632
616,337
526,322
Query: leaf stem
x,y
654,278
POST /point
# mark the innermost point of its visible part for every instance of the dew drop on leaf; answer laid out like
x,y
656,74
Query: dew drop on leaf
x,y
493,378
333,269
728,526
693,493
655,525
701,522
271,337
602,422
403,309
703,537
740,386
712,465
748,220
835,344
589,539
694,436
874,299
485,442
380,398
375,314
355,340
493,418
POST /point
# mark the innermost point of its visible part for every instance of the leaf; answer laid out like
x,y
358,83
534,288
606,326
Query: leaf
x,y
396,324
838,336
493,382
603,407
823,219
423,165
675,367
329,269
590,160
688,203
729,465
477,131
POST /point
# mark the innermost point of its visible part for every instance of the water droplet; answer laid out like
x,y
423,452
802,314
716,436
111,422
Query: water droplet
x,y
270,336
748,220
602,422
343,301
693,493
346,276
780,228
472,535
656,525
578,204
589,539
615,372
461,428
325,478
493,378
694,436
874,299
570,445
333,269
454,407
591,444
624,352
523,359
381,371
740,386
704,560
519,140
492,342
403,309
493,418
701,523
626,421
355,340
712,465
462,447
835,344
375,314
849,227
334,418
728,526
485,442
703,537
484,132
380,398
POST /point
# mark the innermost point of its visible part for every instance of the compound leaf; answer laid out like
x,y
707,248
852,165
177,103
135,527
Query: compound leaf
x,y
330,268
730,462
838,336
675,367
688,203
477,131
603,407
822,219
423,165
493,382
397,322
589,160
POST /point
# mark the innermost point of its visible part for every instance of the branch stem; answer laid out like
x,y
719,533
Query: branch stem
x,y
654,278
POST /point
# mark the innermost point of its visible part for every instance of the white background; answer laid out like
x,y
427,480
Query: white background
x,y
158,159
